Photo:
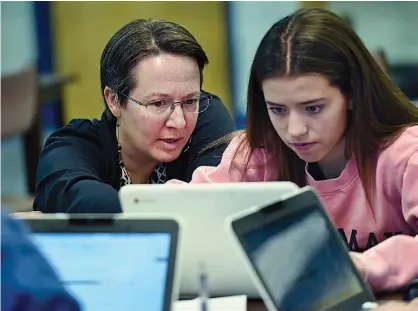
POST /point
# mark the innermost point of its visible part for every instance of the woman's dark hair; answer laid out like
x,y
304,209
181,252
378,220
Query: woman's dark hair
x,y
314,40
140,39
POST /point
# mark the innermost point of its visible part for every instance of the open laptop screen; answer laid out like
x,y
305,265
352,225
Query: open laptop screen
x,y
110,271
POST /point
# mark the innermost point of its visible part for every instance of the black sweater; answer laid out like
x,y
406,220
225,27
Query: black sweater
x,y
79,171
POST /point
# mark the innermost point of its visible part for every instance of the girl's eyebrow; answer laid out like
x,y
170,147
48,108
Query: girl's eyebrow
x,y
311,101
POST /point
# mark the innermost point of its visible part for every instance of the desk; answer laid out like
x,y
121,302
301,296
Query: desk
x,y
258,305
50,87
255,305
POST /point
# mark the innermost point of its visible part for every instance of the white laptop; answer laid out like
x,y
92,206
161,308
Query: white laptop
x,y
203,209
111,262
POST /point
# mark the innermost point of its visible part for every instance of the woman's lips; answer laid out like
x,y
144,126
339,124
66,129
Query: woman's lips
x,y
171,143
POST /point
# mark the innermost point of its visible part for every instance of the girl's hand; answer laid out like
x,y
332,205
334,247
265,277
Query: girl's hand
x,y
358,263
399,306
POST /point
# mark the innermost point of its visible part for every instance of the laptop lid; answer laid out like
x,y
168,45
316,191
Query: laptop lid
x,y
112,263
204,209
297,258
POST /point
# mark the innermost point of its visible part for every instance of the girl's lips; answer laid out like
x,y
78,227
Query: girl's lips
x,y
303,146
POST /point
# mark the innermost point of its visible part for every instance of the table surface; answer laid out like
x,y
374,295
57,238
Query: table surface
x,y
258,305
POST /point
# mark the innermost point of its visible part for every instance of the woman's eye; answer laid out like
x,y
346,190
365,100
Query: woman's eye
x,y
191,101
160,103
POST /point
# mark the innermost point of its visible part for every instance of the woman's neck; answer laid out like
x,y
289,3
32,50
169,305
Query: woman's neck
x,y
138,166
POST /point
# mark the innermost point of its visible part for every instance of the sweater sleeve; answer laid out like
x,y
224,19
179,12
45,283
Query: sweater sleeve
x,y
393,263
68,179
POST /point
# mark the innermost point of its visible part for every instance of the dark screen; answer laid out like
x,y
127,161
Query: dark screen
x,y
301,262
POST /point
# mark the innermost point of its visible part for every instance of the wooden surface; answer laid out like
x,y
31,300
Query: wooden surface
x,y
12,204
255,305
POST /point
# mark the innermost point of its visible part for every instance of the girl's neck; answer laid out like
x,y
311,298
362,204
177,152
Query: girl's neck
x,y
335,162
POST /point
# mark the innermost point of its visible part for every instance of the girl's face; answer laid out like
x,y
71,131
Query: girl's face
x,y
309,115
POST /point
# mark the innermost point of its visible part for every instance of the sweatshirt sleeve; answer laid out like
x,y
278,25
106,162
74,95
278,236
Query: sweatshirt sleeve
x,y
232,168
393,263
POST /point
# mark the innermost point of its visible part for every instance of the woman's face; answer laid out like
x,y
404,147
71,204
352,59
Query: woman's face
x,y
160,135
308,114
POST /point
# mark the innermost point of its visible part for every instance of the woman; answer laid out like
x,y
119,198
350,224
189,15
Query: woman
x,y
156,122
321,112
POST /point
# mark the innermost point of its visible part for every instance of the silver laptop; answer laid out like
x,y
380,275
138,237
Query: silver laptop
x,y
111,263
203,209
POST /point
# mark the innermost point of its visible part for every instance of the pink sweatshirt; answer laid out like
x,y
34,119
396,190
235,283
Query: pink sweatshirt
x,y
393,227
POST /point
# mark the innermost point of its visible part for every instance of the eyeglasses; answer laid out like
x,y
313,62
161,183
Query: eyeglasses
x,y
193,105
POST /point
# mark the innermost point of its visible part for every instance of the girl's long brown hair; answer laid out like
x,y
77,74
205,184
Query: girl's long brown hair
x,y
314,40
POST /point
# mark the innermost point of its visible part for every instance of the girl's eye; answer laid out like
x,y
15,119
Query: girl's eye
x,y
314,109
278,110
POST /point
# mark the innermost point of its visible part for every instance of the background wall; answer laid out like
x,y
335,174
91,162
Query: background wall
x,y
249,21
17,55
17,20
82,29
389,25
